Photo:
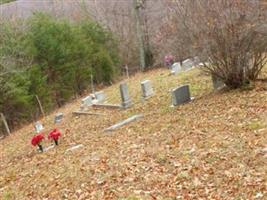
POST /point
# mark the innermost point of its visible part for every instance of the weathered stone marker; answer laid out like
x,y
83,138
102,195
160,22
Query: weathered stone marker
x,y
38,127
188,64
181,95
196,61
217,82
176,68
87,101
125,97
100,96
133,118
58,117
147,89
106,105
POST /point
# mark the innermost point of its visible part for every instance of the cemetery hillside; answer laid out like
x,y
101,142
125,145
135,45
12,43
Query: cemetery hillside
x,y
133,99
212,148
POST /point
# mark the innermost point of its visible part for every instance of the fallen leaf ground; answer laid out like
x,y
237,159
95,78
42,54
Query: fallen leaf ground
x,y
210,148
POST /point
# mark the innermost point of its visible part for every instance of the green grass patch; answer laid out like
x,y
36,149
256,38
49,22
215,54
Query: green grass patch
x,y
256,125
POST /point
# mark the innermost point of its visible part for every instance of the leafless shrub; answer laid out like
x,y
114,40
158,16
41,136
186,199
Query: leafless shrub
x,y
229,35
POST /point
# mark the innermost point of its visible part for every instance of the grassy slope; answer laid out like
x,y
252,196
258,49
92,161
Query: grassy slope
x,y
208,148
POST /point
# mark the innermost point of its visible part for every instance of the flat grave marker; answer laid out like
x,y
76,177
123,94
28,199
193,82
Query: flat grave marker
x,y
122,123
87,113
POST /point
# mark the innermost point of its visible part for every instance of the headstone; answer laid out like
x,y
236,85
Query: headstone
x,y
176,68
147,89
100,96
196,60
58,117
118,125
217,82
38,127
87,101
188,64
181,95
125,97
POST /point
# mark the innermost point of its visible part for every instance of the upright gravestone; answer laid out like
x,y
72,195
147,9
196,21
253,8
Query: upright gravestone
x,y
147,89
188,64
87,101
181,95
38,127
176,68
58,117
125,97
100,96
196,60
217,82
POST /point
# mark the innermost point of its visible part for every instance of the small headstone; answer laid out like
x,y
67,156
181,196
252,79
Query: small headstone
x,y
217,82
181,95
147,89
125,97
58,117
100,96
196,60
87,101
38,127
176,68
188,64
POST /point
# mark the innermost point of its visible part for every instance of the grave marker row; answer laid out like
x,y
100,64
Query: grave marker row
x,y
147,91
186,65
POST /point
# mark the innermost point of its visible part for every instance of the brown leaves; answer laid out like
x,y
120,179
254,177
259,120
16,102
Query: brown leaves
x,y
212,148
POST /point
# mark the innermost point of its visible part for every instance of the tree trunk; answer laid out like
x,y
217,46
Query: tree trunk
x,y
140,34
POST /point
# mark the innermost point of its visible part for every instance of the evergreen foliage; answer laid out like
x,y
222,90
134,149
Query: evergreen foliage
x,y
53,59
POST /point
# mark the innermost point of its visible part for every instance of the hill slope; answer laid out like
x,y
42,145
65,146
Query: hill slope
x,y
209,148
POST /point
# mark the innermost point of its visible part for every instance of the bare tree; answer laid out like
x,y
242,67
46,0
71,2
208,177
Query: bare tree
x,y
228,34
120,18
